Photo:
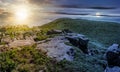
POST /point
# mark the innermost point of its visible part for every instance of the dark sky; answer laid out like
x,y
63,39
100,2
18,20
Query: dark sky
x,y
114,3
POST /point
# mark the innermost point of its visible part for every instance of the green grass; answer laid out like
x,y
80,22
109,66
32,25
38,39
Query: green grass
x,y
28,59
105,33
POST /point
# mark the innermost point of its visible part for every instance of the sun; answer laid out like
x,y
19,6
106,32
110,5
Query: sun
x,y
21,14
98,14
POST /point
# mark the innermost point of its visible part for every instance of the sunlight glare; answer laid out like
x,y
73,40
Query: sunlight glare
x,y
98,14
21,13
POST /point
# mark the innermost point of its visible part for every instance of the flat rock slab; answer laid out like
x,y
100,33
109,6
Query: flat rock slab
x,y
55,48
19,43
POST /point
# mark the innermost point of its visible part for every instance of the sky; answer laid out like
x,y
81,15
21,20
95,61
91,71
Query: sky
x,y
39,12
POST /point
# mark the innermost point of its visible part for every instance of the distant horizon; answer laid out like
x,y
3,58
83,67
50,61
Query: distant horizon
x,y
60,18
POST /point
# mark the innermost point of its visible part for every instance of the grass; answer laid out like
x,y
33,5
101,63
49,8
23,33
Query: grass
x,y
28,59
105,33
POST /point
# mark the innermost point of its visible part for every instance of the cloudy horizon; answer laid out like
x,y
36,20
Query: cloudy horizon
x,y
43,11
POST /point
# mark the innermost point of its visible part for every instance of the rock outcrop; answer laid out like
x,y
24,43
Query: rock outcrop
x,y
79,41
113,58
55,48
19,43
65,31
6,39
53,31
112,69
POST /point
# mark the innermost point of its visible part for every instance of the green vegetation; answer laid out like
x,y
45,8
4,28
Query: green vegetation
x,y
101,35
105,33
28,59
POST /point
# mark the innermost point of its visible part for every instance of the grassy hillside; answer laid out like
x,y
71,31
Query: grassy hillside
x,y
105,33
101,35
28,59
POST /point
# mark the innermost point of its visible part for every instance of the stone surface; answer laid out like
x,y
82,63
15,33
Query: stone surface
x,y
113,55
55,48
113,69
113,58
53,31
6,39
19,43
114,48
78,40
66,31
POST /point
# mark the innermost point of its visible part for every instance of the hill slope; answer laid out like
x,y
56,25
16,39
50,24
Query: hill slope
x,y
28,59
103,32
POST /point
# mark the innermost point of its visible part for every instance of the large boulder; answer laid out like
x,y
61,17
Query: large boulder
x,y
53,31
113,55
19,43
113,58
78,40
55,48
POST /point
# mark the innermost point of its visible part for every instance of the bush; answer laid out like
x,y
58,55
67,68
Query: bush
x,y
6,63
41,37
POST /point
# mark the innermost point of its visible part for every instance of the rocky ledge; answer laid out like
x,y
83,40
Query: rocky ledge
x,y
56,48
113,58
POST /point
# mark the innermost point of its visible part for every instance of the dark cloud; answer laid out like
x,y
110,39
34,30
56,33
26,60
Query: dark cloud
x,y
85,7
82,4
66,13
82,14
40,2
69,6
102,7
79,2
110,15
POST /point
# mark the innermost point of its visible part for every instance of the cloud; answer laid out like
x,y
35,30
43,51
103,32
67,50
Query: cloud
x,y
66,13
85,7
83,4
40,2
110,15
100,7
1,10
4,14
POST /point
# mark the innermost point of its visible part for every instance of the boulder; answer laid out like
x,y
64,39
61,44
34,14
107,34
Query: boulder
x,y
78,40
55,48
6,40
113,58
53,31
66,31
19,43
113,55
112,69
29,38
